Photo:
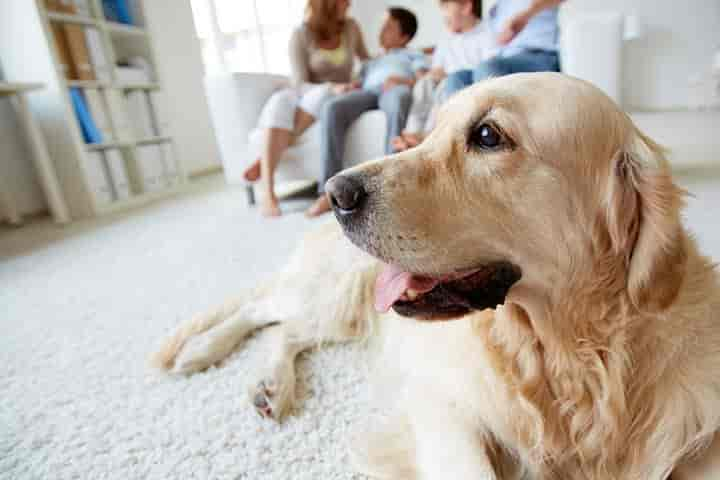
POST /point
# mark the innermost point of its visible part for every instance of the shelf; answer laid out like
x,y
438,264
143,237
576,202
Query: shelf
x,y
94,147
160,139
13,87
68,18
87,84
121,29
140,86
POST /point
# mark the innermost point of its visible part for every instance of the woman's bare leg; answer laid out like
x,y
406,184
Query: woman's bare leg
x,y
303,120
278,141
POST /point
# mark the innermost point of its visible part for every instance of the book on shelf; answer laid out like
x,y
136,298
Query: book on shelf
x,y
99,112
151,166
119,117
89,130
117,11
118,173
160,114
98,179
140,113
98,59
79,53
72,7
63,51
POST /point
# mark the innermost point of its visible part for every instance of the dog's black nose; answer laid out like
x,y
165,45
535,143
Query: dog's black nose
x,y
346,194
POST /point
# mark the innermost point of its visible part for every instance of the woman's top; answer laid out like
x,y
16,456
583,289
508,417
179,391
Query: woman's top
x,y
312,64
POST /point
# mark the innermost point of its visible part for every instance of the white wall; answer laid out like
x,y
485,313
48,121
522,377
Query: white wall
x,y
679,40
180,66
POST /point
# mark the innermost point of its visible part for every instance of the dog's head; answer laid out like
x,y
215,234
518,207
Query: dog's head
x,y
525,180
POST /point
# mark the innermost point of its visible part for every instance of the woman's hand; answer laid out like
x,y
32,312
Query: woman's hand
x,y
340,88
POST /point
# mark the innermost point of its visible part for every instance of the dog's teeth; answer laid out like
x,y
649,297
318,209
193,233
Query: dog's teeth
x,y
412,294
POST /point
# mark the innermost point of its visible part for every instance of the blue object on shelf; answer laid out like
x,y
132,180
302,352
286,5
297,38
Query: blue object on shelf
x,y
117,11
90,132
110,10
123,11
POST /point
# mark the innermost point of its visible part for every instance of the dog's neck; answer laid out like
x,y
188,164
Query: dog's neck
x,y
600,357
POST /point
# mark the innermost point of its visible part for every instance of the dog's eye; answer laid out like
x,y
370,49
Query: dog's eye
x,y
485,136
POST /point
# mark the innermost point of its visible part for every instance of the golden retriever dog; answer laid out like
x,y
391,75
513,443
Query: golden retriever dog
x,y
537,304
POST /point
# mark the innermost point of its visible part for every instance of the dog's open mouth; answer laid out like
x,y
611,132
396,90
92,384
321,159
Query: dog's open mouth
x,y
445,297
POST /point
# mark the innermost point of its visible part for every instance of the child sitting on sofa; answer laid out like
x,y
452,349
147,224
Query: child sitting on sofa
x,y
386,82
465,47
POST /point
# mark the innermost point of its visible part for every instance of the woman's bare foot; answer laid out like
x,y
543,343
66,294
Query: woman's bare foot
x,y
270,207
252,173
321,205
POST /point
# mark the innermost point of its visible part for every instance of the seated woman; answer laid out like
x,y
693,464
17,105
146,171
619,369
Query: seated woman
x,y
322,54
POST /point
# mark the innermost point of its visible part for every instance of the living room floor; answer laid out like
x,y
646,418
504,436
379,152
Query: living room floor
x,y
83,306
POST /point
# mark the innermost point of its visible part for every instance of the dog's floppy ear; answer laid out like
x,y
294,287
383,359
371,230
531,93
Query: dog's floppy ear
x,y
643,218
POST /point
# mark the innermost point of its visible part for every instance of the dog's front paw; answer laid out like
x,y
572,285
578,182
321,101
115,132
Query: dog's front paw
x,y
273,396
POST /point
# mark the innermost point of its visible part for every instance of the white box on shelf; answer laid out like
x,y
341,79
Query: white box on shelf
x,y
98,178
172,172
140,113
119,115
132,75
99,113
150,163
97,55
118,173
160,114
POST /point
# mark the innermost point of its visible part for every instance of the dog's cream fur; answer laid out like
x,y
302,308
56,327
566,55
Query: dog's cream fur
x,y
604,361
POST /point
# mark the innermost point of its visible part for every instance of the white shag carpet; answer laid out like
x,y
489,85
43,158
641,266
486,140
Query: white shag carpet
x,y
81,308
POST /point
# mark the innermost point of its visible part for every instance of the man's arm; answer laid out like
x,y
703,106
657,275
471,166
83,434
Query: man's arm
x,y
516,24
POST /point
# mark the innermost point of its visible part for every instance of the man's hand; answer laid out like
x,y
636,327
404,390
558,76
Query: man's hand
x,y
514,26
393,82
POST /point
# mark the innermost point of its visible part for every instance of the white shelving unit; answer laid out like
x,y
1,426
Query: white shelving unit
x,y
29,54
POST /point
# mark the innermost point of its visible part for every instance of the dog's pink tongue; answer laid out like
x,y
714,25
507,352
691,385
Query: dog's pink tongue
x,y
393,282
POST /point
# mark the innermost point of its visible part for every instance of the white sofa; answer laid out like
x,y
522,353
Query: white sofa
x,y
590,49
235,103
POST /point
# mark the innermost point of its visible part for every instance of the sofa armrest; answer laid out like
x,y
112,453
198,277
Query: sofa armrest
x,y
591,48
235,101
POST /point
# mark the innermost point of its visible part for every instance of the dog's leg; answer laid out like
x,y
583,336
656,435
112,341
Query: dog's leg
x,y
386,451
208,338
273,396
212,346
448,444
